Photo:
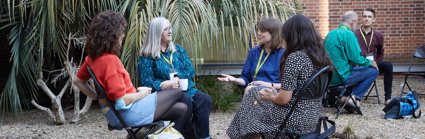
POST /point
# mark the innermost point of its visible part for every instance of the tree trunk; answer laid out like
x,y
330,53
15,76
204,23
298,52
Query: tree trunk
x,y
57,115
77,111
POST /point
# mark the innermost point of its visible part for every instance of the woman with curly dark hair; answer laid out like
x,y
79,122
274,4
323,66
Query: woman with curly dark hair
x,y
105,35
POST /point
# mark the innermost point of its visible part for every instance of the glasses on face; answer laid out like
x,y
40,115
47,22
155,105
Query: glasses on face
x,y
167,29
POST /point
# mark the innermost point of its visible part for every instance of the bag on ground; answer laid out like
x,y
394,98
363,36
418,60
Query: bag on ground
x,y
167,132
404,106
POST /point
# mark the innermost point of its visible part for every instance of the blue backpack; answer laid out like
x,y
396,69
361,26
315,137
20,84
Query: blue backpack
x,y
405,105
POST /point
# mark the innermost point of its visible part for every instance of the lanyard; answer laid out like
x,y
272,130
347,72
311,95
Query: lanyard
x,y
345,27
262,63
365,41
169,61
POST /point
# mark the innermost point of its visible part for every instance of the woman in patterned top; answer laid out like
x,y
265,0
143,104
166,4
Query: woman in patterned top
x,y
263,109
105,35
162,64
262,64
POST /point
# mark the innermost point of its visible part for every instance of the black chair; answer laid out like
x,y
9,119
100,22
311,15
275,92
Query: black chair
x,y
313,89
376,91
132,131
345,89
418,54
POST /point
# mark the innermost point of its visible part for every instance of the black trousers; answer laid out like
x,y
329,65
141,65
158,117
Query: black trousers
x,y
386,68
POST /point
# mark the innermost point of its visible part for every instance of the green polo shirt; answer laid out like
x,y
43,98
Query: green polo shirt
x,y
344,50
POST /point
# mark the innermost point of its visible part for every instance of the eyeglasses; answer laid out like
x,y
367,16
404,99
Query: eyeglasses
x,y
167,29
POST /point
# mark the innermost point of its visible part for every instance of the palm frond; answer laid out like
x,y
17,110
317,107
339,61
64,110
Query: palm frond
x,y
204,27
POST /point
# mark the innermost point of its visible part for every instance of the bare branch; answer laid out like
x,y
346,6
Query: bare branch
x,y
44,109
70,69
46,89
64,88
87,105
60,113
76,103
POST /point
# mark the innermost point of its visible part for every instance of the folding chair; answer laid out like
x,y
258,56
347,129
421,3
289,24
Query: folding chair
x,y
418,54
313,89
376,91
132,131
344,89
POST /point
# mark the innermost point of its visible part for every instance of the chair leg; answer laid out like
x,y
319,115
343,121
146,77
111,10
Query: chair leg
x,y
339,109
345,101
402,88
131,135
357,107
370,90
377,95
408,86
149,132
405,84
376,92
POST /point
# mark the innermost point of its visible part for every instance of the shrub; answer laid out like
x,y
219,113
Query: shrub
x,y
225,96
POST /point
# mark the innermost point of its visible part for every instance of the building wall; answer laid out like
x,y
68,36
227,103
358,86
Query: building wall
x,y
402,22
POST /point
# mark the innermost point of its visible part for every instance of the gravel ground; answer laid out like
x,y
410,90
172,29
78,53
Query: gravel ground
x,y
36,124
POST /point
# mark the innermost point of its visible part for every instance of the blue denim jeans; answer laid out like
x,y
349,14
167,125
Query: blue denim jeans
x,y
364,77
201,105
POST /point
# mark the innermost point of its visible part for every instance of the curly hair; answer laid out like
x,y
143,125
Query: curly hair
x,y
103,34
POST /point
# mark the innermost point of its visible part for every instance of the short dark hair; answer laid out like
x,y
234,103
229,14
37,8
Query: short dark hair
x,y
103,34
300,34
272,26
370,10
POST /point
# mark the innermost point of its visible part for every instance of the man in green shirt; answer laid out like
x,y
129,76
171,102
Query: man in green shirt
x,y
349,65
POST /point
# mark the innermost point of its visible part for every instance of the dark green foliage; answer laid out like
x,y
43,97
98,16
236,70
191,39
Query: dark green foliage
x,y
225,96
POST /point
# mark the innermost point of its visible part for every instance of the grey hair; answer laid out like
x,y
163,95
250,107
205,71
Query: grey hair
x,y
349,15
152,46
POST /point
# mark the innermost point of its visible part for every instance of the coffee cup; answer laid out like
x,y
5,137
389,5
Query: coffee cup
x,y
184,84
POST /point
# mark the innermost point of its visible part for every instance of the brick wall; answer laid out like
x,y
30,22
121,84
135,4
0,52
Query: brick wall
x,y
402,22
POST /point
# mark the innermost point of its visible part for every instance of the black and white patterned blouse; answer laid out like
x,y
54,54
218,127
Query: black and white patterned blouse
x,y
255,116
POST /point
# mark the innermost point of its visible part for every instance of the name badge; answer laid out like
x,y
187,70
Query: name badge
x,y
370,56
172,75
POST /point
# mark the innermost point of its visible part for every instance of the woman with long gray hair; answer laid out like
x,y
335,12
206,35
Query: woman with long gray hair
x,y
162,64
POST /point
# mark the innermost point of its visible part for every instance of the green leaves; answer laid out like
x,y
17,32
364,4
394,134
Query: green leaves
x,y
39,30
207,28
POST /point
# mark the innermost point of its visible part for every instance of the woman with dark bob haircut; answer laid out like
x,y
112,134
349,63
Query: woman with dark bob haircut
x,y
261,68
266,108
105,35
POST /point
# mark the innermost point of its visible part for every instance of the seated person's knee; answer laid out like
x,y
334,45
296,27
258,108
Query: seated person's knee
x,y
181,107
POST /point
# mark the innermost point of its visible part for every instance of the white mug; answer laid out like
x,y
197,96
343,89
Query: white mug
x,y
184,84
